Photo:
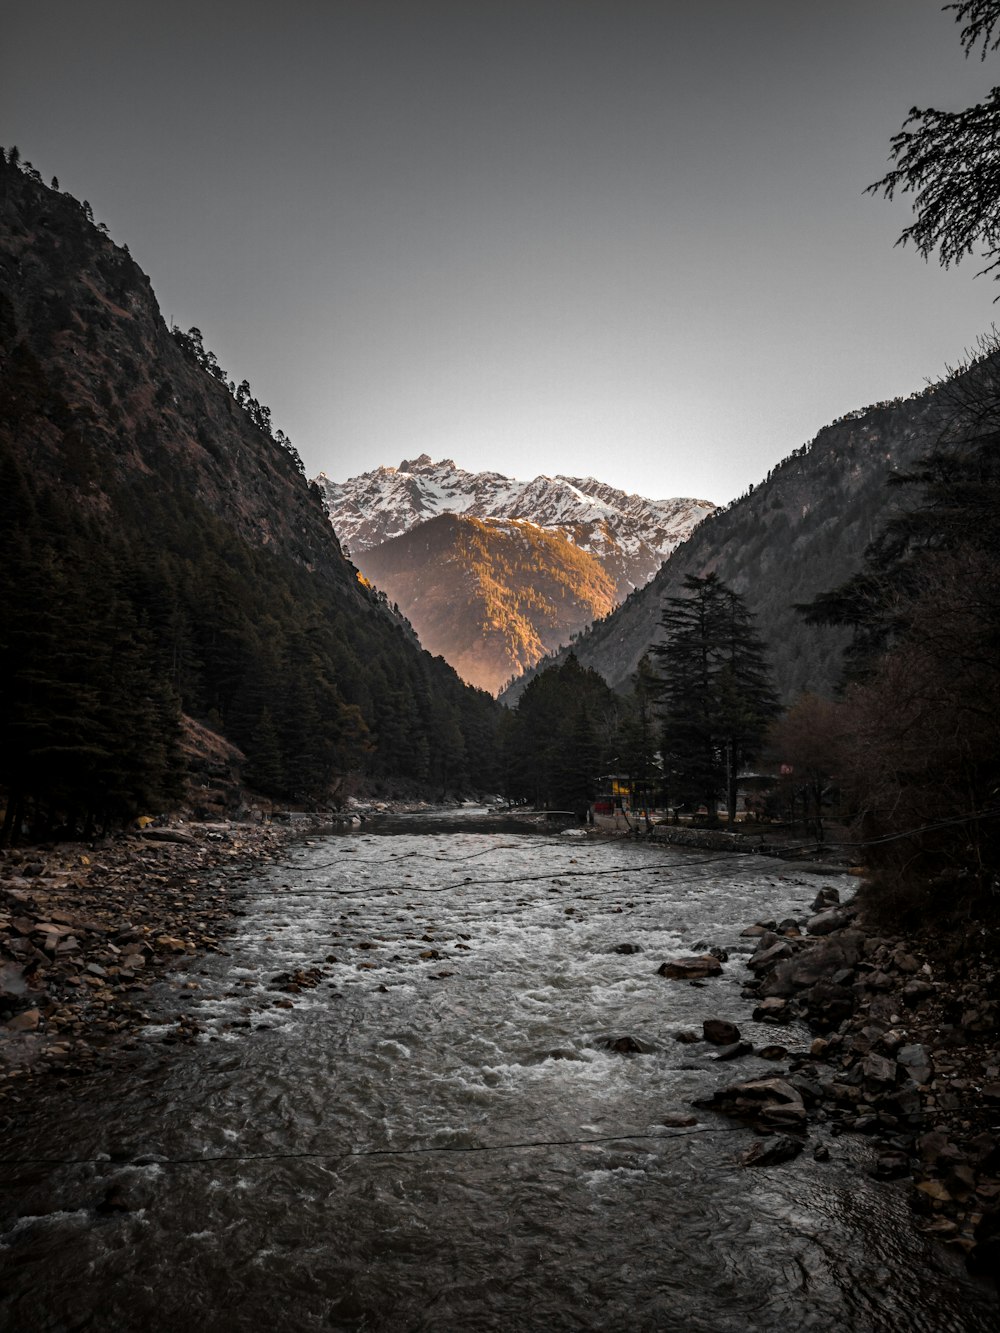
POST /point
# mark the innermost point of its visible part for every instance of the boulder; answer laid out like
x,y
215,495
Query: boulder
x,y
719,1032
826,898
766,958
774,1009
768,1103
690,969
827,922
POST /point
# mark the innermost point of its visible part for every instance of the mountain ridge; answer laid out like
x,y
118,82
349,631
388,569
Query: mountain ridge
x,y
630,534
594,544
802,530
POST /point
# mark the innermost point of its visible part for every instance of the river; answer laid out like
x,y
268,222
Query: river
x,y
429,1130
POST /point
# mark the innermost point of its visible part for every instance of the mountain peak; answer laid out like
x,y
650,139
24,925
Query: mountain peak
x,y
628,534
424,463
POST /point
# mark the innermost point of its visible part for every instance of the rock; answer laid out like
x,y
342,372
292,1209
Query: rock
x,y
916,991
625,1045
690,969
719,1032
878,1073
915,1061
169,835
773,1010
26,1021
114,1201
678,1121
686,1036
828,1004
767,1103
733,1051
769,1152
627,948
772,1052
826,922
827,897
766,958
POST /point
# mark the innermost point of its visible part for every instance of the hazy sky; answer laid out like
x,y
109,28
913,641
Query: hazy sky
x,y
622,238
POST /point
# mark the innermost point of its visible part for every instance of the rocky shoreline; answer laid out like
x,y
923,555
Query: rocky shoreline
x,y
87,928
905,1052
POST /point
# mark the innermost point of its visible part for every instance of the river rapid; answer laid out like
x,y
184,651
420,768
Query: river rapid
x,y
429,1130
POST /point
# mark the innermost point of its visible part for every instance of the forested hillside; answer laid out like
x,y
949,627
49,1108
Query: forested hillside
x,y
162,553
803,529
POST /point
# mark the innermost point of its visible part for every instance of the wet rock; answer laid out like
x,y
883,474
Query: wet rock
x,y
774,1009
627,948
767,1103
679,1121
626,1045
769,1152
767,958
735,1051
719,1032
772,1052
690,969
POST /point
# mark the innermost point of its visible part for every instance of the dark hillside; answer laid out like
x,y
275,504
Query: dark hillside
x,y
161,552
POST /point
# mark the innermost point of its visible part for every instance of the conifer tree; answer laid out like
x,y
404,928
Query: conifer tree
x,y
717,697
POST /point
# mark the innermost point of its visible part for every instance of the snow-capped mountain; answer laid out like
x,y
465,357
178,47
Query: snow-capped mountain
x,y
629,535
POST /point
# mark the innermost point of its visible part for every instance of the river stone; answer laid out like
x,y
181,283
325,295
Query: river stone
x,y
879,1074
765,958
625,1045
627,948
769,1152
826,922
689,969
773,1010
719,1032
827,897
26,1021
734,1051
916,1061
765,1102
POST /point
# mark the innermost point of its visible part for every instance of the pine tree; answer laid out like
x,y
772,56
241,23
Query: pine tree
x,y
716,692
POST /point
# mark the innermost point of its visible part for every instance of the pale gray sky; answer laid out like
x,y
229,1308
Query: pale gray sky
x,y
623,238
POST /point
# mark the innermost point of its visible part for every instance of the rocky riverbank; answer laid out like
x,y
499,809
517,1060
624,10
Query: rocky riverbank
x,y
87,928
905,1052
